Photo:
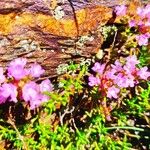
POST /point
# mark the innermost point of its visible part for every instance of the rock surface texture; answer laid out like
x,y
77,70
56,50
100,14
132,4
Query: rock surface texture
x,y
50,31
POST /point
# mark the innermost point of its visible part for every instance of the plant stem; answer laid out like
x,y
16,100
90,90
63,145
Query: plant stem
x,y
126,127
18,133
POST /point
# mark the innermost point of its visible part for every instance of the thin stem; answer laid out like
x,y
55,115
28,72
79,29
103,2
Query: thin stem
x,y
126,127
18,133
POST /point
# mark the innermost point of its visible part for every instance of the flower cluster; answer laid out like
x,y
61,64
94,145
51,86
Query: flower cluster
x,y
143,24
140,20
18,84
143,39
111,79
120,10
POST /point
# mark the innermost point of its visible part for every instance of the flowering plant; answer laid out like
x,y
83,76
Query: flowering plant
x,y
111,79
17,83
140,20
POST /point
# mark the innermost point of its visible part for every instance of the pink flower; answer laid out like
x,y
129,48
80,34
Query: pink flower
x,y
143,73
132,23
31,92
46,85
117,66
18,62
110,74
2,77
125,76
132,60
98,68
147,35
120,10
118,76
2,98
130,66
124,81
146,11
16,68
35,104
8,91
36,70
141,23
140,12
142,39
147,23
93,81
17,72
113,92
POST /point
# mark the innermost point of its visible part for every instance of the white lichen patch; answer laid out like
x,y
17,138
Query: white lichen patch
x,y
86,62
62,68
108,30
84,39
4,42
28,45
58,13
63,50
52,51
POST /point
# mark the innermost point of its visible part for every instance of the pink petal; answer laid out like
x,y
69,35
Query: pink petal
x,y
93,81
2,77
30,91
113,92
143,73
142,39
17,72
99,68
19,62
120,10
46,85
8,91
132,23
36,70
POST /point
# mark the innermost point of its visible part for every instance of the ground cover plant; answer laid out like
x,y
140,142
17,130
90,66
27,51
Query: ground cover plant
x,y
101,103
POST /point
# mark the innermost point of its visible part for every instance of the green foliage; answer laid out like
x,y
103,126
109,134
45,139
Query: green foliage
x,y
139,104
144,56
